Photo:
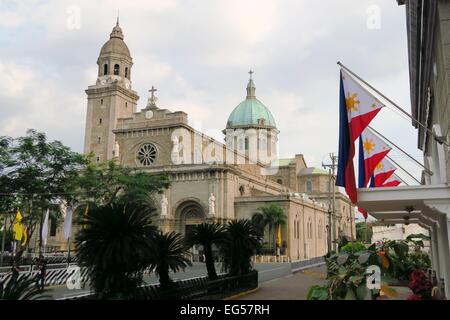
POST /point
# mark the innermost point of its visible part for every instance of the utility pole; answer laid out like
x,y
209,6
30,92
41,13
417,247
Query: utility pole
x,y
332,197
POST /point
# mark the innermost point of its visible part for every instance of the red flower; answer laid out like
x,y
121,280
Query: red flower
x,y
414,297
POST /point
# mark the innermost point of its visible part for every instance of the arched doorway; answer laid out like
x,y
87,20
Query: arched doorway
x,y
189,214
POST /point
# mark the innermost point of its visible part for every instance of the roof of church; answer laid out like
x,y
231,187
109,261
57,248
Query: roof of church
x,y
282,162
312,171
115,44
251,111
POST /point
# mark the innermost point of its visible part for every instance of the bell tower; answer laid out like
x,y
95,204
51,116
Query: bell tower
x,y
110,98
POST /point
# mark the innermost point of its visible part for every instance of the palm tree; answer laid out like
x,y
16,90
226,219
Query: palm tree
x,y
207,235
240,244
114,246
169,252
21,289
272,216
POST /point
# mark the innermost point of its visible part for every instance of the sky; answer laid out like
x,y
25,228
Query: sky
x,y
198,54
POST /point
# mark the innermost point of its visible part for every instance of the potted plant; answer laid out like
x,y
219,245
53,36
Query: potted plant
x,y
420,285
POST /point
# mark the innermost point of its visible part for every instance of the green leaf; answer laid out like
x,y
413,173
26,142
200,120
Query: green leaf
x,y
401,249
350,295
356,278
364,257
342,258
362,292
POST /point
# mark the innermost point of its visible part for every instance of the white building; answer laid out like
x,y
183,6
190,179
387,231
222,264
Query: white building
x,y
428,25
398,232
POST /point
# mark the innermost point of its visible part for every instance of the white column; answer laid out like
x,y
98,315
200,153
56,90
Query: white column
x,y
444,252
434,250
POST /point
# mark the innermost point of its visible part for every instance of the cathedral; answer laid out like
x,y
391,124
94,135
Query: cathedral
x,y
210,180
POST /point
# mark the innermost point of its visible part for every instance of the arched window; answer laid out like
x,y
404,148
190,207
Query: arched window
x,y
279,181
116,69
100,121
308,186
126,72
309,228
53,227
105,69
99,140
246,143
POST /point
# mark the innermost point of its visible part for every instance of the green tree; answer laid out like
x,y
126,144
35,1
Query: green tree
x,y
115,246
240,244
361,234
169,252
37,175
207,235
271,216
21,289
106,182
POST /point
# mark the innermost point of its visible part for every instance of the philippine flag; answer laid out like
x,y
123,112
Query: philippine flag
x,y
357,108
361,106
394,181
383,171
372,150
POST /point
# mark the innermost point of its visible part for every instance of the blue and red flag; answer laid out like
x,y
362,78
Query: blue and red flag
x,y
357,108
383,171
372,150
393,181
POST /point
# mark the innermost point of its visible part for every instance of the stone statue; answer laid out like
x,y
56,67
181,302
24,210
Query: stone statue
x,y
175,150
164,204
212,204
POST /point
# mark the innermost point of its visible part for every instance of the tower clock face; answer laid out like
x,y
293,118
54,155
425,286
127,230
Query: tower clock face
x,y
103,81
127,85
148,114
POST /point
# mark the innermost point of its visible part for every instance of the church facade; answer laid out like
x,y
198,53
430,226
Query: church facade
x,y
210,180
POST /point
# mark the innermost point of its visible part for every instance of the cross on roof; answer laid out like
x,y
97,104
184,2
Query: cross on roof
x,y
152,98
153,90
251,72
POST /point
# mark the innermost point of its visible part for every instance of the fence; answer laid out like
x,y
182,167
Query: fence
x,y
23,261
56,274
196,288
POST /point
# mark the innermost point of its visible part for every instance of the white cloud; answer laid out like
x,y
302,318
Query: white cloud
x,y
197,54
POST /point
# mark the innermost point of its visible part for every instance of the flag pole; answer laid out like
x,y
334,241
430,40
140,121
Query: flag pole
x,y
404,170
438,139
68,252
428,171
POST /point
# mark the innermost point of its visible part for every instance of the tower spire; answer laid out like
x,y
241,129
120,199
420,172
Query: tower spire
x,y
251,87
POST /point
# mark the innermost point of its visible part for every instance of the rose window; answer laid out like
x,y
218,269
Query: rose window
x,y
147,154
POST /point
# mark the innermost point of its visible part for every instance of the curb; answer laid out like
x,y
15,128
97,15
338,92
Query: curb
x,y
308,267
242,294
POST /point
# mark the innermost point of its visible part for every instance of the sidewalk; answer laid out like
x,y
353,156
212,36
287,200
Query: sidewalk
x,y
296,286
291,287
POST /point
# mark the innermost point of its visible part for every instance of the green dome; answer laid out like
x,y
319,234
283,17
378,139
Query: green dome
x,y
251,112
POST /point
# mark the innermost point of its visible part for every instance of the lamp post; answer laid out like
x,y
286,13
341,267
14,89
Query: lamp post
x,y
3,240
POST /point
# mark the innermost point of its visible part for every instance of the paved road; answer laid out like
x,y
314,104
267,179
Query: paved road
x,y
267,271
